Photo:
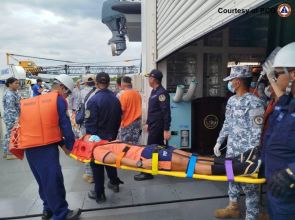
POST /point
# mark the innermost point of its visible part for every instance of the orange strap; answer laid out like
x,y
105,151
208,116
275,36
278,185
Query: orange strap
x,y
120,156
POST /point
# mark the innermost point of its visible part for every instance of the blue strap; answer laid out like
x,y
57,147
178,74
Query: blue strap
x,y
191,166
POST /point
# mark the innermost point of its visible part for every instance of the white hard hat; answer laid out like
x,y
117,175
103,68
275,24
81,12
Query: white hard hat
x,y
66,80
286,56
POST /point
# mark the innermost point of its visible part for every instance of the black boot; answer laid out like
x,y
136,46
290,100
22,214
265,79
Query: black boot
x,y
143,176
114,185
98,198
73,214
46,215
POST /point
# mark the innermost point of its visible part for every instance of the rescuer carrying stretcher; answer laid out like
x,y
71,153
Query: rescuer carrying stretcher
x,y
172,159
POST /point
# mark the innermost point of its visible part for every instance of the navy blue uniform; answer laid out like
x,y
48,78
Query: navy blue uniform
x,y
103,118
45,165
279,153
159,115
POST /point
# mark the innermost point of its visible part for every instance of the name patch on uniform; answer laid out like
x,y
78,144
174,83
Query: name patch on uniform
x,y
162,98
258,120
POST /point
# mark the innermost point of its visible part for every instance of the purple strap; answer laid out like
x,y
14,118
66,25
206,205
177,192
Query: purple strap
x,y
229,170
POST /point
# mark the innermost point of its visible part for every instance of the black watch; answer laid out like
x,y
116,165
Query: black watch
x,y
139,164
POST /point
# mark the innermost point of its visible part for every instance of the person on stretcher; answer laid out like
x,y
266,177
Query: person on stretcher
x,y
170,158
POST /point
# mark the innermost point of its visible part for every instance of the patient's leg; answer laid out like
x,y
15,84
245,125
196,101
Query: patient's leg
x,y
179,163
201,159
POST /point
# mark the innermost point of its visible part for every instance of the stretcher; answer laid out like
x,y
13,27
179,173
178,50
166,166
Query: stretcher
x,y
155,171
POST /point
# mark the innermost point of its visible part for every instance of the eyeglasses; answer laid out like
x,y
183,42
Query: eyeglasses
x,y
278,73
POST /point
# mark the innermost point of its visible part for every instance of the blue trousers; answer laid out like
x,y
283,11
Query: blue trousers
x,y
98,176
281,209
44,163
156,134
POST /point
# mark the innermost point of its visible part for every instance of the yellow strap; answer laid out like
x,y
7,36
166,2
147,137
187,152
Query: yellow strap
x,y
119,158
155,163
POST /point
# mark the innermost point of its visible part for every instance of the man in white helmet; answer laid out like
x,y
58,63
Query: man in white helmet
x,y
45,118
279,140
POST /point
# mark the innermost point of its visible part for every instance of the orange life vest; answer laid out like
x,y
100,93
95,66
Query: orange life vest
x,y
39,121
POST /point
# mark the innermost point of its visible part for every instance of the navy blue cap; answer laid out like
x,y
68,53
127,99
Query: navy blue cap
x,y
103,78
157,74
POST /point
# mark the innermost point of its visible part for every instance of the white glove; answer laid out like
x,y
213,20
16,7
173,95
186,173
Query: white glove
x,y
269,70
217,150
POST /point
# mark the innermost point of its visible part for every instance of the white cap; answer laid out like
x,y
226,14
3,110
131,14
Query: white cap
x,y
66,80
286,56
87,78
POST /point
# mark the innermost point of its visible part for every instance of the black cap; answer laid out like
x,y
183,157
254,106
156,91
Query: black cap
x,y
157,74
103,78
39,80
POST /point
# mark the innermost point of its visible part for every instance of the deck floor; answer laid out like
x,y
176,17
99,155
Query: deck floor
x,y
19,195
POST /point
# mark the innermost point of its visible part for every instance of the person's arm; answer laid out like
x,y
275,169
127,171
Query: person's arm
x,y
164,102
269,70
256,113
11,111
91,117
110,158
40,90
225,128
65,123
119,118
123,103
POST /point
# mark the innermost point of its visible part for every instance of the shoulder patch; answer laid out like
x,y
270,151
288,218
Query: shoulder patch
x,y
162,98
87,114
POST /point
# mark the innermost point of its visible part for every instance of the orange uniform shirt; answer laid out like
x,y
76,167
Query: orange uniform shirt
x,y
131,106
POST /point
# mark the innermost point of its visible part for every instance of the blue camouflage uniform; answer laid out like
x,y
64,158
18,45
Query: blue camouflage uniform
x,y
11,105
45,165
159,115
279,154
242,128
103,118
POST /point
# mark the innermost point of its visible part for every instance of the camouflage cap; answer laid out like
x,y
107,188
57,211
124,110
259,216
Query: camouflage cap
x,y
239,72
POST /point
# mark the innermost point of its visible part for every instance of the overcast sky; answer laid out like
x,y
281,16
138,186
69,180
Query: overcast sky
x,y
59,29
